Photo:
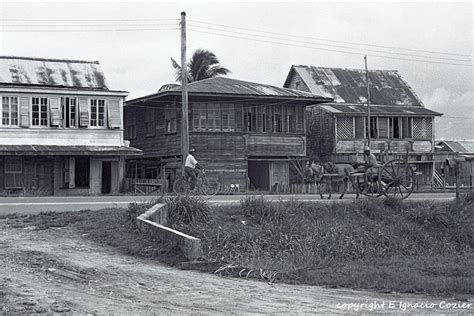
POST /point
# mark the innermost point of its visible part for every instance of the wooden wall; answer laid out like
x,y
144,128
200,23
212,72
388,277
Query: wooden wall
x,y
320,135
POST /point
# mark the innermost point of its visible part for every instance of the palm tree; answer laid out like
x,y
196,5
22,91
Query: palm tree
x,y
202,65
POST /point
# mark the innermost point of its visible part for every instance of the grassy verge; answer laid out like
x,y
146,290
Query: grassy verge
x,y
371,244
416,247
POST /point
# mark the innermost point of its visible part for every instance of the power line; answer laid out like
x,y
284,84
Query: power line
x,y
87,25
78,31
329,45
334,41
331,50
86,20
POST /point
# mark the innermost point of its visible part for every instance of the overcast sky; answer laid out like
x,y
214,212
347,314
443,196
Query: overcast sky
x,y
139,61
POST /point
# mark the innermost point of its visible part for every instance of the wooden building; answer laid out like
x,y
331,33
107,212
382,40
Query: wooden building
x,y
61,128
337,131
447,149
244,133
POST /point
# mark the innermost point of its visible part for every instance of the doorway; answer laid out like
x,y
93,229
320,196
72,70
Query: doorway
x,y
106,176
259,175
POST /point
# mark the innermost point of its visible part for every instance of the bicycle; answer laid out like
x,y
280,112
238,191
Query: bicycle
x,y
203,185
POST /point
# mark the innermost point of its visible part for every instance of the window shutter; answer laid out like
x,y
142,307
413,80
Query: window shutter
x,y
24,112
55,111
114,113
83,112
383,128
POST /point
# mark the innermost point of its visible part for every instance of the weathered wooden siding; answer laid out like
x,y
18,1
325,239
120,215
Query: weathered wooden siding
x,y
275,145
297,83
320,128
65,137
352,146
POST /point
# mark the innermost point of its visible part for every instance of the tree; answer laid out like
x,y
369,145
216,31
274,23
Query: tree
x,y
203,65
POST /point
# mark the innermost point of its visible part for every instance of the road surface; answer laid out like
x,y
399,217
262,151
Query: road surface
x,y
34,205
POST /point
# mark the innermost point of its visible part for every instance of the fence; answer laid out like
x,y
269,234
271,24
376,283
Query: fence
x,y
139,185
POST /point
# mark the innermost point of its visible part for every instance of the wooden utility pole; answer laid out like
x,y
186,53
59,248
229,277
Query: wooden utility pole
x,y
184,95
368,100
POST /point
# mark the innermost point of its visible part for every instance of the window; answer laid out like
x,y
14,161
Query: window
x,y
69,112
407,123
277,119
199,116
39,111
228,117
131,132
97,112
13,171
291,119
170,121
395,127
373,127
213,117
150,126
10,111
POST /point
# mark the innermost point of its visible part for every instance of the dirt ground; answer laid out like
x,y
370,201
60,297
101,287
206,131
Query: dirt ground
x,y
59,270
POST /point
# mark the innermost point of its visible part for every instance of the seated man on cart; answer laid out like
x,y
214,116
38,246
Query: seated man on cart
x,y
370,167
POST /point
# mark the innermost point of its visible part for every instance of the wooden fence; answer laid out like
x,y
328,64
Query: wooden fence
x,y
143,186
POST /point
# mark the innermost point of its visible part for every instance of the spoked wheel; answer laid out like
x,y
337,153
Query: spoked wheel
x,y
373,188
181,186
397,179
208,187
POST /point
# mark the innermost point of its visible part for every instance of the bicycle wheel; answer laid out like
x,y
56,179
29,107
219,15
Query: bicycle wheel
x,y
208,187
181,186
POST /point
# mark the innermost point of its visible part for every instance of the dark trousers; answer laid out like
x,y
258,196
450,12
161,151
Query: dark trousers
x,y
191,173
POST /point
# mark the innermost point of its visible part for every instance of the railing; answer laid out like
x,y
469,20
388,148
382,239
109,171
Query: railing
x,y
143,185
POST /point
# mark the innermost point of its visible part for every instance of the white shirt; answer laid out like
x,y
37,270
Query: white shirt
x,y
190,161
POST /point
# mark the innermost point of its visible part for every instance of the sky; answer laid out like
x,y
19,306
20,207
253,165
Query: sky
x,y
430,43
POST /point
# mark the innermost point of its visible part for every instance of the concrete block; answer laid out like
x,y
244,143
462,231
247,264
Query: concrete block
x,y
154,222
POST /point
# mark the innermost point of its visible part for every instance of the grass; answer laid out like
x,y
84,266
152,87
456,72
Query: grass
x,y
384,245
373,244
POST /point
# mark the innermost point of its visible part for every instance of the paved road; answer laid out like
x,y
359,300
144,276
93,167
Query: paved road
x,y
34,205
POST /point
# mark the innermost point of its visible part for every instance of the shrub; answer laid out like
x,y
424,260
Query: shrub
x,y
186,209
135,209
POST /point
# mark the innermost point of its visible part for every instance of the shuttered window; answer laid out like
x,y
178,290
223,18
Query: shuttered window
x,y
69,112
97,112
170,120
359,127
150,126
199,116
291,119
9,111
228,117
13,172
55,111
213,117
407,123
39,111
113,111
83,112
383,123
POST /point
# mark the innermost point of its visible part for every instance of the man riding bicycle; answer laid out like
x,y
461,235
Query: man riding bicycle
x,y
190,168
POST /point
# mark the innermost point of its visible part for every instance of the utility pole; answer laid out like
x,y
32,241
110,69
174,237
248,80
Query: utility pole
x,y
184,95
368,101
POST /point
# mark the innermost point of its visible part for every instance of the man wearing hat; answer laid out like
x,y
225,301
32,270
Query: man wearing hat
x,y
370,164
190,167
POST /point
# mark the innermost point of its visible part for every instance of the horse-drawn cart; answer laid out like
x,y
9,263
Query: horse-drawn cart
x,y
395,179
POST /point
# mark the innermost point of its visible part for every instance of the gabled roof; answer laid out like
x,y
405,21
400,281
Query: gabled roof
x,y
221,86
387,87
26,71
460,146
376,110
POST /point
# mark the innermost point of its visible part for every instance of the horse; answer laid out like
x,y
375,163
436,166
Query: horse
x,y
342,172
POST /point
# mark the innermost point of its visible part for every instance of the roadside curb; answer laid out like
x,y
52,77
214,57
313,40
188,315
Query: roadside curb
x,y
154,222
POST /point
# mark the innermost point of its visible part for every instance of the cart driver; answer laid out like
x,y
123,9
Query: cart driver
x,y
370,167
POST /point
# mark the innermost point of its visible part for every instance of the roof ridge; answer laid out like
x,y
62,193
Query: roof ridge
x,y
344,68
51,59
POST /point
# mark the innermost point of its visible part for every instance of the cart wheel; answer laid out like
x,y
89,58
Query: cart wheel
x,y
397,179
373,189
181,186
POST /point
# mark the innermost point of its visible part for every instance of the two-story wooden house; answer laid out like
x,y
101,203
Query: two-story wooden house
x,y
244,133
338,130
61,128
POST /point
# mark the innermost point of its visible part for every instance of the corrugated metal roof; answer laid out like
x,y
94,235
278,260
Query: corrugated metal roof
x,y
52,72
66,150
220,86
378,110
460,146
387,87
